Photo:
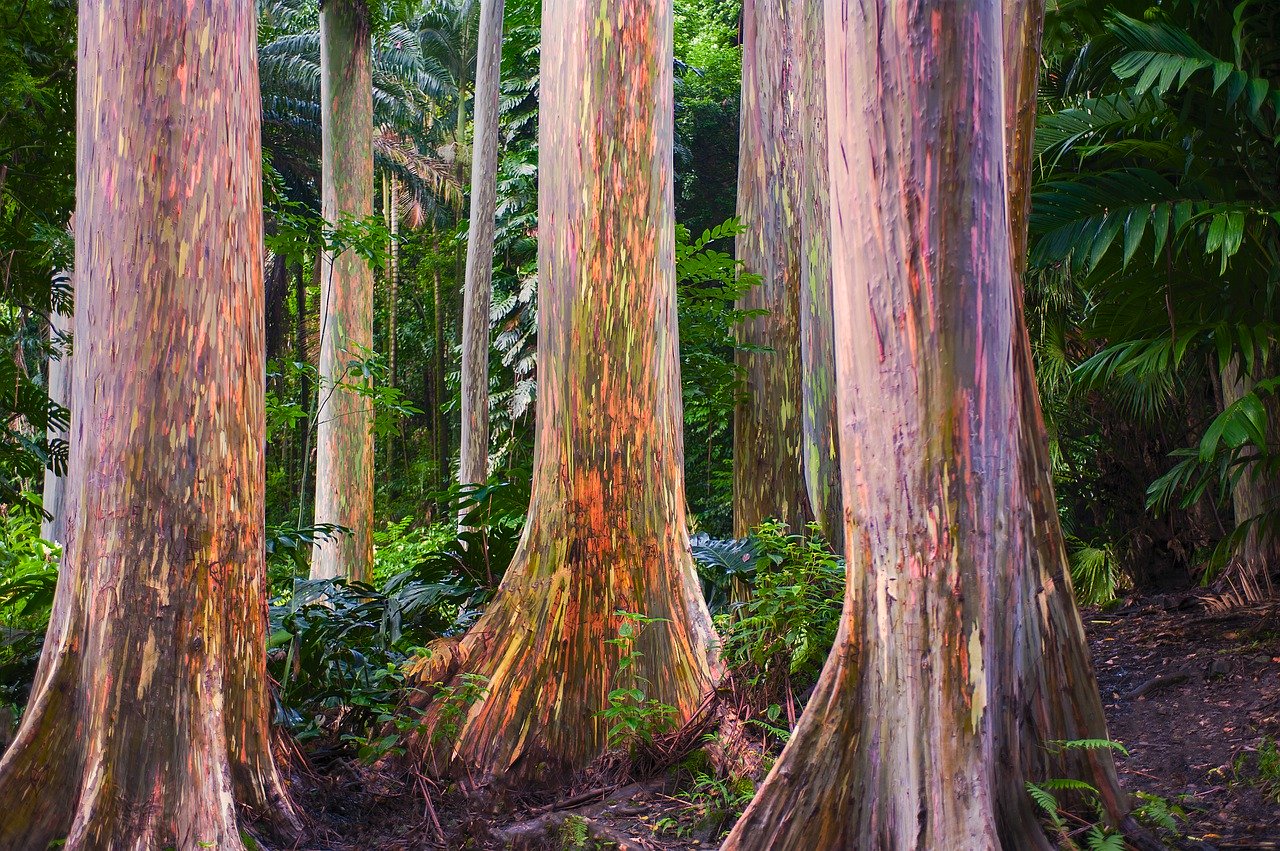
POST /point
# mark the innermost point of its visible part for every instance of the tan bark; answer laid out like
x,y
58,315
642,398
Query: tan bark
x,y
344,419
478,287
53,527
147,722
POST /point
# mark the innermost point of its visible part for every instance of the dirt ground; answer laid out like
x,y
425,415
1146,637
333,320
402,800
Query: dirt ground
x,y
1192,694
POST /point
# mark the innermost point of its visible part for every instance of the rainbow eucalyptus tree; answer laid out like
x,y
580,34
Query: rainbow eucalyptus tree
x,y
344,419
58,381
821,447
960,653
606,529
147,721
768,429
477,291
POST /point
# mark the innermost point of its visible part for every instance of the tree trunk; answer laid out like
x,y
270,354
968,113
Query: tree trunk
x,y
606,529
147,722
438,424
344,423
768,474
53,528
946,672
821,450
1254,494
478,287
393,278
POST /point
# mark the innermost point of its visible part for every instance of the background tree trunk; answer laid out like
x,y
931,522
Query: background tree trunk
x,y
478,287
768,475
53,527
1255,493
147,721
606,528
817,323
905,742
344,422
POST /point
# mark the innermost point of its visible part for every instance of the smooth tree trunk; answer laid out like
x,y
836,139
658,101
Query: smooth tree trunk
x,y
1255,494
768,471
393,277
947,674
607,528
821,448
477,292
147,722
344,419
58,383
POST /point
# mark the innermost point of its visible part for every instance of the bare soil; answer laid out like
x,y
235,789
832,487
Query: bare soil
x,y
1192,694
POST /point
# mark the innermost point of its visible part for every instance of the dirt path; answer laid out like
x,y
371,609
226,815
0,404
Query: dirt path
x,y
1194,696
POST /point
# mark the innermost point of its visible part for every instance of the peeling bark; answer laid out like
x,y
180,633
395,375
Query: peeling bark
x,y
768,429
606,528
960,652
147,722
344,422
478,287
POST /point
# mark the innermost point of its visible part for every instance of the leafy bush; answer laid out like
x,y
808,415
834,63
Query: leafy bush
x,y
28,577
778,638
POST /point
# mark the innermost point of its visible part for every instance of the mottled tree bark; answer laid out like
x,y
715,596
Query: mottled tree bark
x,y
1055,698
478,287
147,722
58,383
958,655
821,449
768,474
606,528
344,422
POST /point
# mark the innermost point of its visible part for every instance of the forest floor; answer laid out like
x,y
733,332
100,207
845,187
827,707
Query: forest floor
x,y
1193,695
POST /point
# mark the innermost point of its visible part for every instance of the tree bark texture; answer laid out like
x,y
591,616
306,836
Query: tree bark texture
x,y
1255,493
768,433
952,667
477,291
344,425
147,721
53,527
1055,698
606,529
393,277
817,323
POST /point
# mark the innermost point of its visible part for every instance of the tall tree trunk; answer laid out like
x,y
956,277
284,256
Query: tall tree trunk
x,y
821,449
53,527
606,528
277,298
768,474
147,722
393,278
1254,494
1055,699
438,425
478,286
344,425
913,736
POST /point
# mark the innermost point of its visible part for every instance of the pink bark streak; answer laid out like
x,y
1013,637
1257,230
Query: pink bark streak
x,y
147,722
607,527
942,644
